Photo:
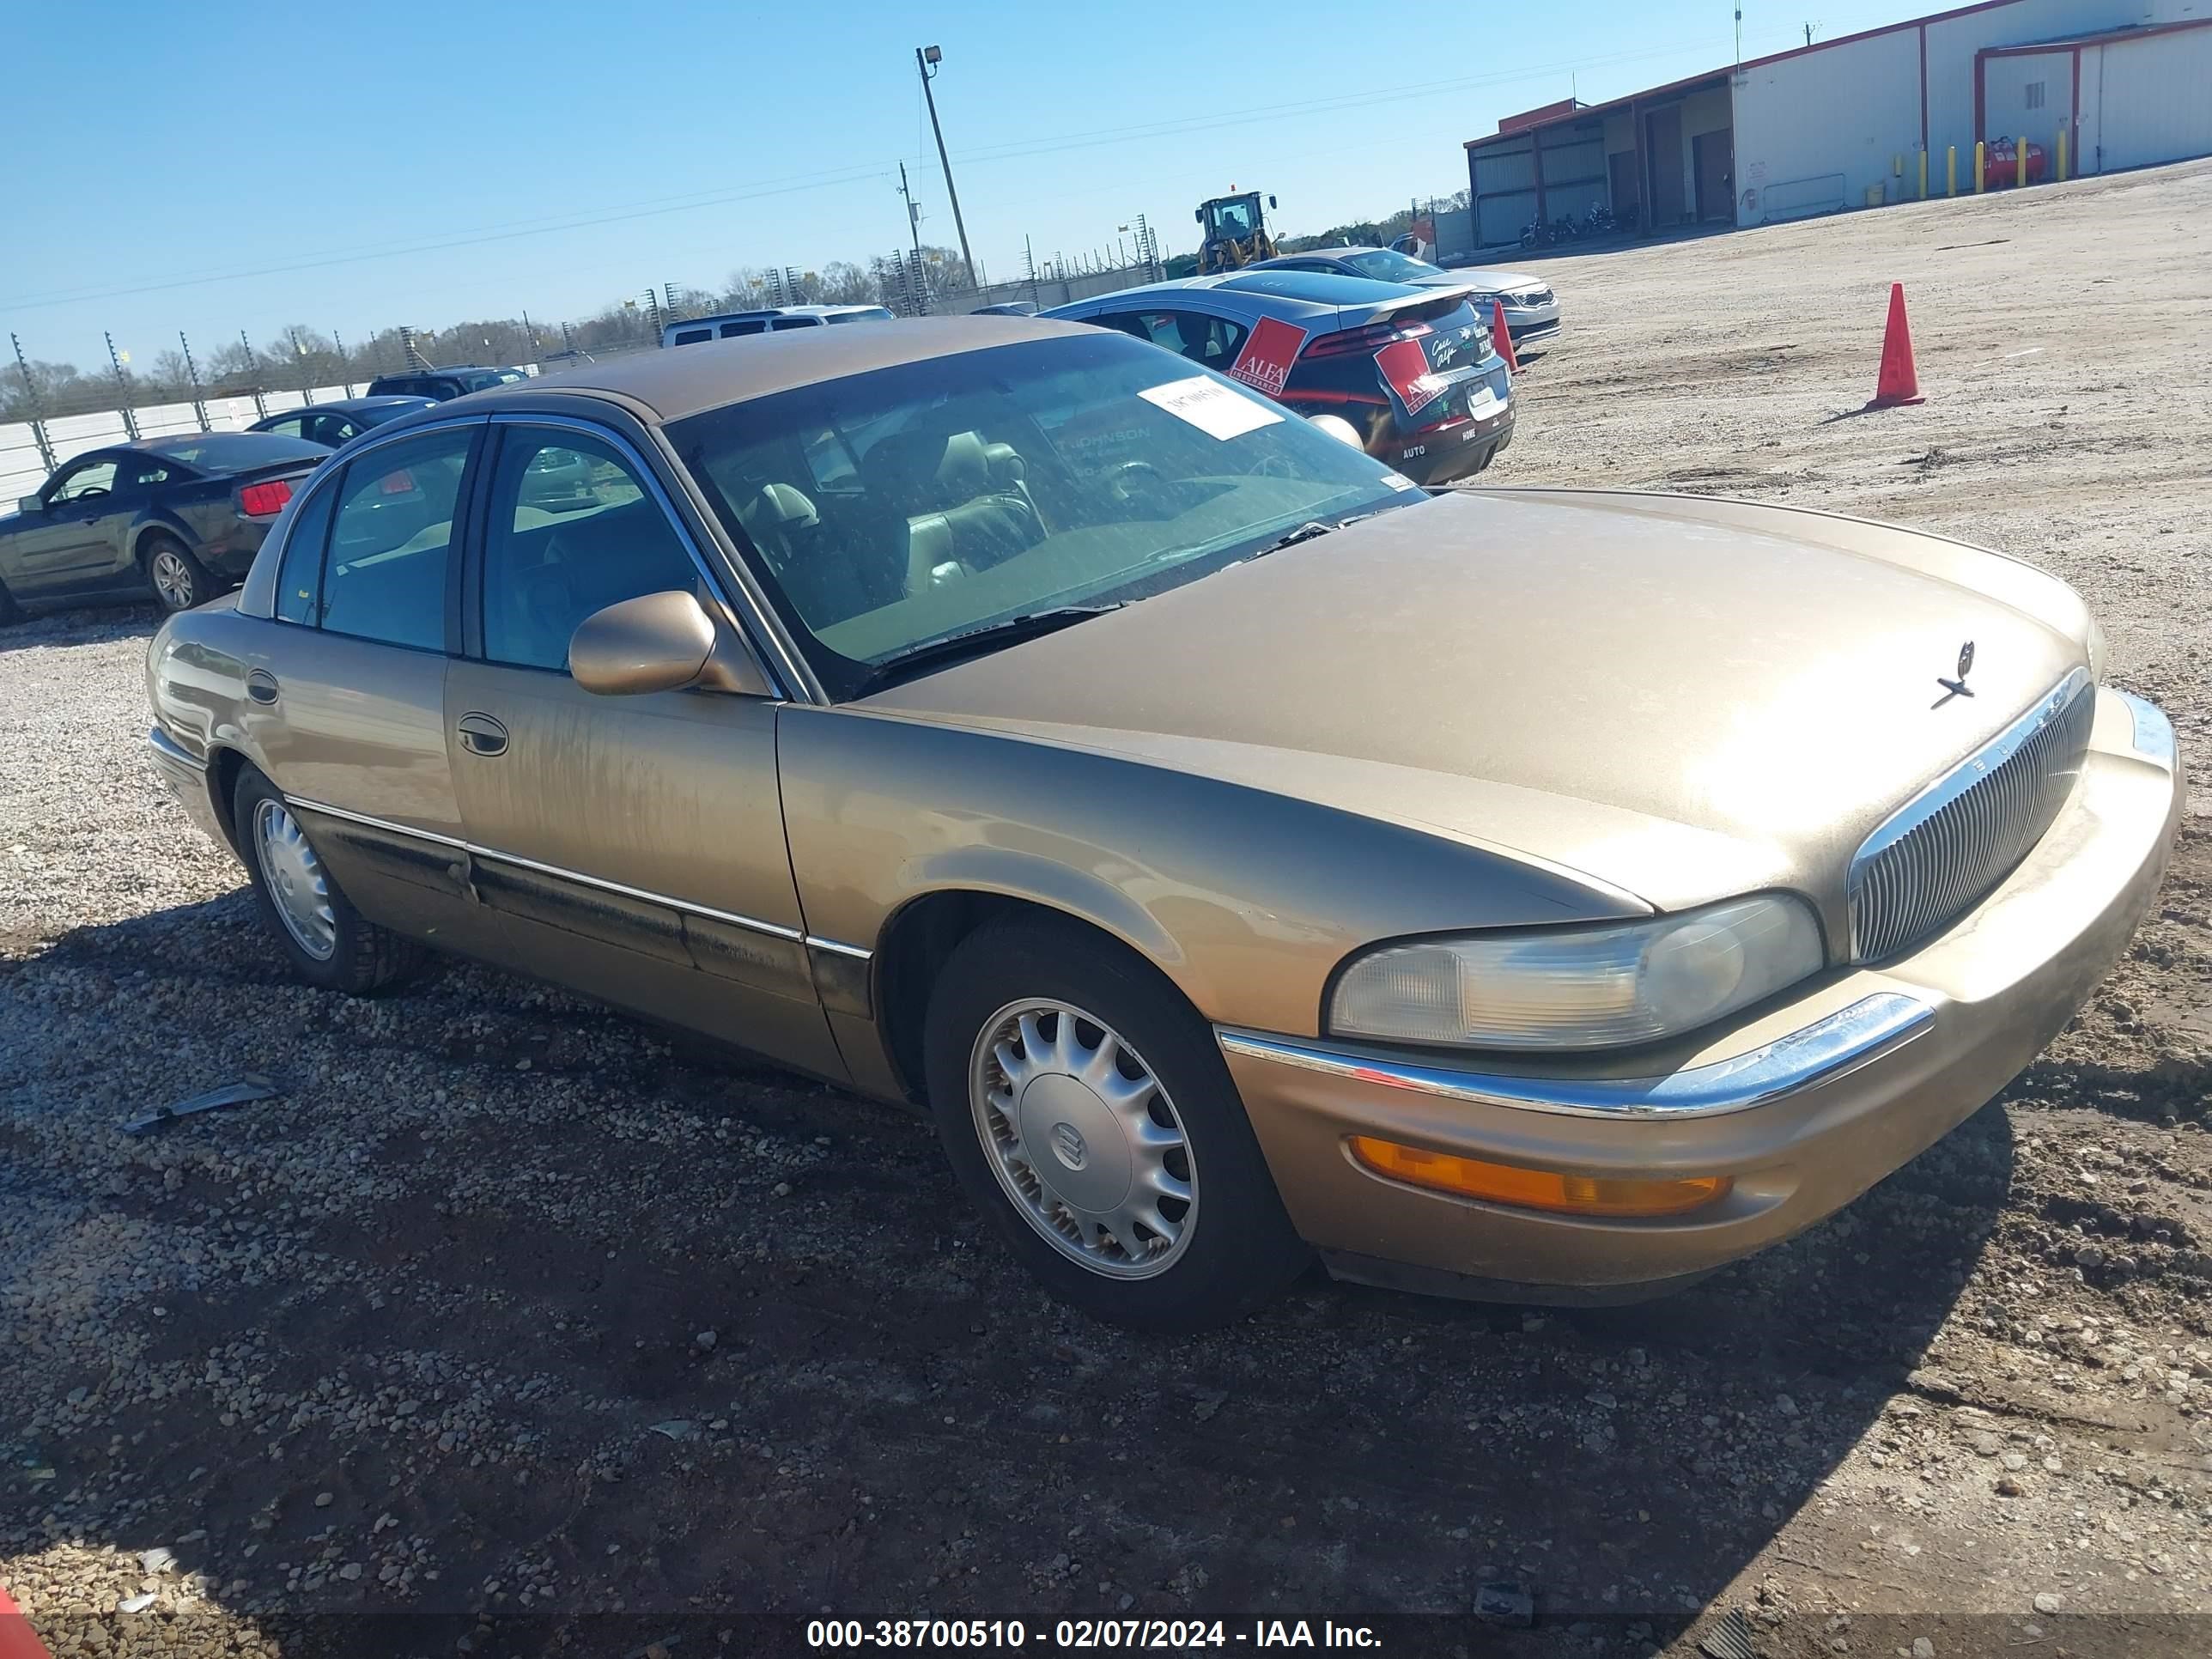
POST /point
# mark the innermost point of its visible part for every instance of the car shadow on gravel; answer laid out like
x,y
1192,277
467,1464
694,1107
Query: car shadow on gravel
x,y
507,1310
89,626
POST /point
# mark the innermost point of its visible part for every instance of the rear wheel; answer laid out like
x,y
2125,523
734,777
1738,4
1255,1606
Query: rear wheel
x,y
1087,1111
329,943
9,611
179,581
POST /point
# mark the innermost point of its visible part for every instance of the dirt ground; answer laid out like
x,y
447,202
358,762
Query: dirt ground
x,y
507,1329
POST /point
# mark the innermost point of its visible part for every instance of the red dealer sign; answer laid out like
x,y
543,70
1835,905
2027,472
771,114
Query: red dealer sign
x,y
1405,367
1269,351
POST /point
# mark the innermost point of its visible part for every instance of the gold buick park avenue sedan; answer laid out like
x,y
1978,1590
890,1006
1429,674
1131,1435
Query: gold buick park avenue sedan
x,y
1242,854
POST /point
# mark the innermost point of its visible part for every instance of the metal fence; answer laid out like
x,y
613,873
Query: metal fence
x,y
110,412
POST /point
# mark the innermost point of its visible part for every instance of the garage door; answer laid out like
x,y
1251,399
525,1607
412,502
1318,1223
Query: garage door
x,y
2153,103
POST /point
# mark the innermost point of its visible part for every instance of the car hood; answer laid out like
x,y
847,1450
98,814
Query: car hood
x,y
1678,696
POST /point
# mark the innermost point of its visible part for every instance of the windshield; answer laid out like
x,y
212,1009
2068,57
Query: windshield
x,y
1234,217
1388,265
888,510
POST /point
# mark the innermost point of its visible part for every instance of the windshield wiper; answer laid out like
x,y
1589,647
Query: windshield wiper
x,y
1027,626
1304,532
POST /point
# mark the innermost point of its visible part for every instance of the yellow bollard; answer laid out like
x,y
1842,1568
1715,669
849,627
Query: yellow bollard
x,y
2061,174
1981,156
1924,175
1951,170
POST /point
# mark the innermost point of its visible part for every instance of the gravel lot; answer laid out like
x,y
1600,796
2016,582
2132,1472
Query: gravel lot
x,y
399,1342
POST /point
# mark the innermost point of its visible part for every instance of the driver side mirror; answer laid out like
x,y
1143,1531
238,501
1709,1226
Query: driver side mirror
x,y
1199,214
30,504
1271,201
659,642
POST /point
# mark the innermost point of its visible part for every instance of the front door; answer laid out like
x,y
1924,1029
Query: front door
x,y
346,703
1662,148
631,845
68,547
1714,155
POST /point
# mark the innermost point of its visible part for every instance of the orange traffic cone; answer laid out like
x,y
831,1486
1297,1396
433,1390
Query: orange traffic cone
x,y
1898,383
1502,337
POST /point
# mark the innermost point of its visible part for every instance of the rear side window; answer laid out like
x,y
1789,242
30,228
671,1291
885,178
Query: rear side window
x,y
694,336
732,330
391,539
300,577
796,322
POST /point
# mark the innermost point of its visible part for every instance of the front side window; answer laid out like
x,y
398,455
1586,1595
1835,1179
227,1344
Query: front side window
x,y
1384,265
752,325
291,426
693,336
1212,342
795,322
87,481
890,510
571,530
391,539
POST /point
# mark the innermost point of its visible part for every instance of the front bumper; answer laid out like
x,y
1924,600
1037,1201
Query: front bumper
x,y
1532,327
1805,1106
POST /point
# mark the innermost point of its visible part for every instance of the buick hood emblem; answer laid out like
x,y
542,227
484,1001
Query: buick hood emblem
x,y
1959,688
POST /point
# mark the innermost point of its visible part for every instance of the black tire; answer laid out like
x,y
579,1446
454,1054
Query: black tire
x,y
190,582
1241,1251
9,611
363,958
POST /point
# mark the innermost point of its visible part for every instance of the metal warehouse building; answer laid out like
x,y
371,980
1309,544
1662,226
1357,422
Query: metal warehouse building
x,y
1845,123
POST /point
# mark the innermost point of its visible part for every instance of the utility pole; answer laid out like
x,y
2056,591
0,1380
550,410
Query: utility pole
x,y
530,329
37,411
913,228
345,363
926,59
122,384
1028,264
668,289
192,371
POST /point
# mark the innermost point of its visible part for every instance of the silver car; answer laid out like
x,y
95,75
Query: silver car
x,y
1532,310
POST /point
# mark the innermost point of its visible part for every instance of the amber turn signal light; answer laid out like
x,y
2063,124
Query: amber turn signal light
x,y
1536,1189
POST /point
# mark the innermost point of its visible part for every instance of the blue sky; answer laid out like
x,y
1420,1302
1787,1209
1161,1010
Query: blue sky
x,y
229,166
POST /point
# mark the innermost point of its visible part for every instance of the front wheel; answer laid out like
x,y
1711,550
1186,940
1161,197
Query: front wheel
x,y
1088,1113
179,581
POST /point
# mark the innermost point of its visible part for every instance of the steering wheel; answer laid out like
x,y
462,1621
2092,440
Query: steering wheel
x,y
89,493
1128,478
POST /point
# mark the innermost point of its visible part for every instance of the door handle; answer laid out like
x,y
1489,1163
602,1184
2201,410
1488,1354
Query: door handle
x,y
261,685
482,735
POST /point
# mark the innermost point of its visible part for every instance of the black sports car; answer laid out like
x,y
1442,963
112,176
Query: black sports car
x,y
179,517
335,423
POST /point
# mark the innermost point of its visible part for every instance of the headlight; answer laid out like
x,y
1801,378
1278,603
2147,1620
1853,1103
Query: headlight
x,y
1582,987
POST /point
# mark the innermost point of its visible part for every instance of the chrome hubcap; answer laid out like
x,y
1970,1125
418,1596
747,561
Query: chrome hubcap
x,y
1083,1138
173,579
296,881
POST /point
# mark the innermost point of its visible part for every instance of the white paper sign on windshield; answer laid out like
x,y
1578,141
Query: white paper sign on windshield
x,y
1211,407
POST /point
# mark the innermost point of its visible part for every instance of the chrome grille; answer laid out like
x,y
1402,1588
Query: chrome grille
x,y
1532,298
1962,834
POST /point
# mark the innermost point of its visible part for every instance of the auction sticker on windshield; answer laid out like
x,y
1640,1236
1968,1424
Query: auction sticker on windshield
x,y
1211,407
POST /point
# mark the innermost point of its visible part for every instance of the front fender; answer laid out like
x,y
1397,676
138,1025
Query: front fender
x,y
1245,898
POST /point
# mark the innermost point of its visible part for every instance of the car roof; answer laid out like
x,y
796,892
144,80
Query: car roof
x,y
1287,293
444,368
1318,253
350,405
672,385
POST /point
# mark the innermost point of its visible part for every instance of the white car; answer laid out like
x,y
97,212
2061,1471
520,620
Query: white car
x,y
1532,310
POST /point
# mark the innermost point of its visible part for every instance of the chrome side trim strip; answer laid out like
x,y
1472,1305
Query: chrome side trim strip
x,y
170,750
2154,739
385,824
841,948
1851,1037
750,924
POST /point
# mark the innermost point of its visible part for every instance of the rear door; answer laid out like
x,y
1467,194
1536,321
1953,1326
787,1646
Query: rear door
x,y
632,844
346,689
